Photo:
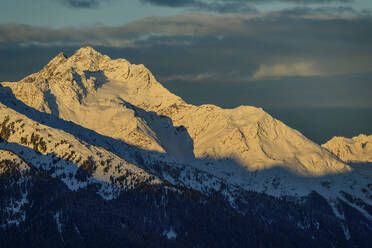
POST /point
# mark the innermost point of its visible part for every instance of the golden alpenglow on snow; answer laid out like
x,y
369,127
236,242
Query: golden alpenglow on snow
x,y
355,149
125,101
105,132
186,123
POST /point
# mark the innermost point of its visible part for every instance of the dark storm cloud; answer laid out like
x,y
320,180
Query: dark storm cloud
x,y
232,6
225,6
305,1
232,48
83,4
340,10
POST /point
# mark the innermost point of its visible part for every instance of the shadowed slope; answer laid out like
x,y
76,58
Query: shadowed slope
x,y
90,89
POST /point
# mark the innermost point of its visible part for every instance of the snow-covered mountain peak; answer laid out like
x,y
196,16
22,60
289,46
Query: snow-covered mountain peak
x,y
60,58
84,59
125,101
87,51
88,86
357,149
87,59
111,111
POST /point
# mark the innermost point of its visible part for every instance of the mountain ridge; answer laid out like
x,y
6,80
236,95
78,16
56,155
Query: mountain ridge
x,y
355,149
124,103
91,133
90,75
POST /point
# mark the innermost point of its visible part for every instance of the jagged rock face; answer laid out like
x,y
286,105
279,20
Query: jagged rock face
x,y
357,149
122,100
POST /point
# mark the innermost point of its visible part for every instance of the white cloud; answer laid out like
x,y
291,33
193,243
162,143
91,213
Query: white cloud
x,y
285,70
190,77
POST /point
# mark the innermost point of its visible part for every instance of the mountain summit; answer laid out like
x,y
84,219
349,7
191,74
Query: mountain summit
x,y
124,101
103,135
355,149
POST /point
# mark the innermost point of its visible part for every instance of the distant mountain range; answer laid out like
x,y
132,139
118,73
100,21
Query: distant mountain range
x,y
95,152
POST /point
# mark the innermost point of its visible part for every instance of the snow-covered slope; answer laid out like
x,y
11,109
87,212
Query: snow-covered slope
x,y
107,127
355,149
86,88
81,157
19,163
205,148
75,162
124,101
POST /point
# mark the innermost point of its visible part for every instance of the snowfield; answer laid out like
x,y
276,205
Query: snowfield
x,y
113,119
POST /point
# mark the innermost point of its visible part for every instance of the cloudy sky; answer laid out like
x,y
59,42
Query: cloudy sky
x,y
307,62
